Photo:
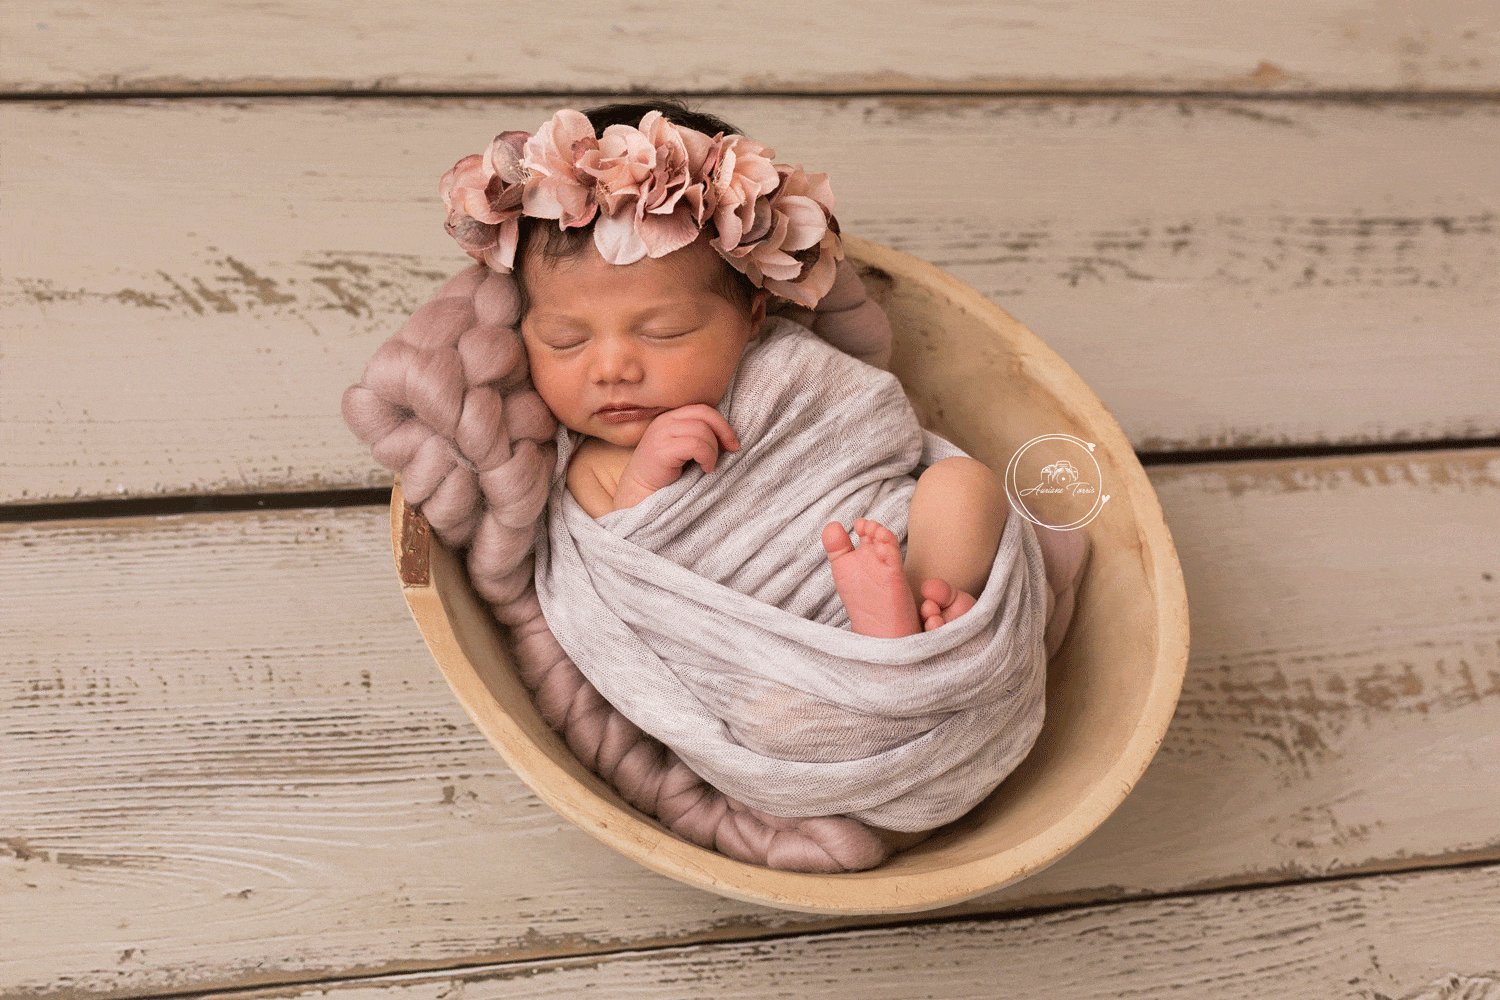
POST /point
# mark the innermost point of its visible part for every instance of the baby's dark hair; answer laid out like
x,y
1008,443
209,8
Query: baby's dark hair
x,y
551,244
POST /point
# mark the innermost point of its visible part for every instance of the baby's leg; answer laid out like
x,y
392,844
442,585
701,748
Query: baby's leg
x,y
957,516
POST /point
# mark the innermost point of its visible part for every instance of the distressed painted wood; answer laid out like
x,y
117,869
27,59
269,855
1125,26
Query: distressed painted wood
x,y
229,761
140,46
1376,938
181,313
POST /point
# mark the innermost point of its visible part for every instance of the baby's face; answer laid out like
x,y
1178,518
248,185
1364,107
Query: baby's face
x,y
611,347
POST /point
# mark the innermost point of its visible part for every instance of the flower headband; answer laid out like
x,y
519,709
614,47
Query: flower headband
x,y
653,189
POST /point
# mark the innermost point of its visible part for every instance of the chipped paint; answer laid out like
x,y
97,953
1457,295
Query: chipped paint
x,y
1300,706
264,289
1272,255
21,850
1465,471
360,284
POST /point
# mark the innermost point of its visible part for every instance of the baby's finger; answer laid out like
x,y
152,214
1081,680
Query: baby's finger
x,y
691,440
704,437
705,451
715,421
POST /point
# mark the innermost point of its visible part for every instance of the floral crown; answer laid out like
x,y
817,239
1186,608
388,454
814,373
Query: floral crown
x,y
653,189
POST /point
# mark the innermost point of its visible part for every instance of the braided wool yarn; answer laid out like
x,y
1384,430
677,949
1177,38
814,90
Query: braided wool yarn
x,y
447,403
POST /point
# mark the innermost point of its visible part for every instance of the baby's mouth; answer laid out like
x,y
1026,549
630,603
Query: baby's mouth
x,y
627,414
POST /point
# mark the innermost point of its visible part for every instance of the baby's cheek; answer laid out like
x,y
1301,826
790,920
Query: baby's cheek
x,y
556,392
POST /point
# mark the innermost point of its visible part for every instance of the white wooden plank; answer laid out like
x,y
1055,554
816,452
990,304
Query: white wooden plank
x,y
1377,938
229,761
974,45
187,287
1341,611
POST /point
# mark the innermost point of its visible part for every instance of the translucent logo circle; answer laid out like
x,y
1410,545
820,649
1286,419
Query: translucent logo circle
x,y
1054,481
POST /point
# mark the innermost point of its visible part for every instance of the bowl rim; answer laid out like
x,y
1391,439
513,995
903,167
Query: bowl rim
x,y
422,560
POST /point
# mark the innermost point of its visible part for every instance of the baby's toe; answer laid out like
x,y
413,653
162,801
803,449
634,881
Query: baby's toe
x,y
836,540
939,592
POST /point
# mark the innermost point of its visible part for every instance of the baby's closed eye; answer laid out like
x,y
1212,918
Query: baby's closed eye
x,y
555,336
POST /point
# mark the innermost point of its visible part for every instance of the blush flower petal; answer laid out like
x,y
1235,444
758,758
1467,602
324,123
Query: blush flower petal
x,y
555,187
623,161
467,187
502,255
816,279
471,234
805,221
617,239
662,233
742,176
503,158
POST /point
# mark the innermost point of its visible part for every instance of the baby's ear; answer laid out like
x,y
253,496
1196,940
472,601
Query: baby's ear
x,y
758,303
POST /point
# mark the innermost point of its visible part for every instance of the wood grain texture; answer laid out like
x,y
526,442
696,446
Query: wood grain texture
x,y
1374,938
228,760
141,46
181,315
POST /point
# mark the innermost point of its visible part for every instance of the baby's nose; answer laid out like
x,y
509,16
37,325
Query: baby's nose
x,y
616,360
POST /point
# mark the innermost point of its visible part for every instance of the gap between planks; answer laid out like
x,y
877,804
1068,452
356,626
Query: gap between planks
x,y
1353,97
228,503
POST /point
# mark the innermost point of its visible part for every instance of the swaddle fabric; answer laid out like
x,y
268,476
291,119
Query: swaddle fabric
x,y
707,614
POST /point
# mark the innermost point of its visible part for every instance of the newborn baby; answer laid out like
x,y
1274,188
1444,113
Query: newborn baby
x,y
637,357
705,585
682,570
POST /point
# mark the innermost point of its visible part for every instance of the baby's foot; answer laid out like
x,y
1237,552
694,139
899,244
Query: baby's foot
x,y
871,580
942,603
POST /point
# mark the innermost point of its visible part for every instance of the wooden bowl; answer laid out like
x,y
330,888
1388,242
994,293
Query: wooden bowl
x,y
990,386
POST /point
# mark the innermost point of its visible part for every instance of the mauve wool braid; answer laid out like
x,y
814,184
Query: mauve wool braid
x,y
447,404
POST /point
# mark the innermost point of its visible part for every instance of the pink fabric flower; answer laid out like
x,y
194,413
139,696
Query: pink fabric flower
x,y
555,187
791,245
650,188
743,175
819,270
483,197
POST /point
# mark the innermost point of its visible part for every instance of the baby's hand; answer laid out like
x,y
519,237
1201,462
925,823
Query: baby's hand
x,y
692,433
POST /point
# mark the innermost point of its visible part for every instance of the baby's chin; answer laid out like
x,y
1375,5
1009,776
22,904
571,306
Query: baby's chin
x,y
622,435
